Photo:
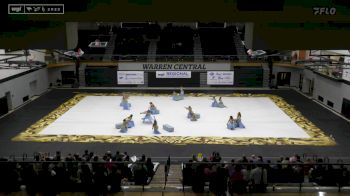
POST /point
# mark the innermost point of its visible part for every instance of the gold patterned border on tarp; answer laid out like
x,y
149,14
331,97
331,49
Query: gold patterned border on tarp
x,y
317,137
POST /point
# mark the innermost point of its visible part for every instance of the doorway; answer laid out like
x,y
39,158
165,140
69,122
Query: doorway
x,y
3,106
283,78
345,109
9,100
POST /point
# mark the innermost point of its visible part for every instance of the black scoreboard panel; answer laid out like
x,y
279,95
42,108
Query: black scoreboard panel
x,y
248,76
101,76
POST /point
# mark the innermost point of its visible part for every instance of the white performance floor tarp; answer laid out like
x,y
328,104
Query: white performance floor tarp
x,y
97,115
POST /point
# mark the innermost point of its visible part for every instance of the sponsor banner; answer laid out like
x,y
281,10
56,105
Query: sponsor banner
x,y
173,74
174,66
130,77
220,77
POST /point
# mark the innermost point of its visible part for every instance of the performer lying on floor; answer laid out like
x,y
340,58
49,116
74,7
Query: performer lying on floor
x,y
148,117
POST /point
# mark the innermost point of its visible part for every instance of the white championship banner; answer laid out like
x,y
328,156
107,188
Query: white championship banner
x,y
131,77
173,74
220,77
346,73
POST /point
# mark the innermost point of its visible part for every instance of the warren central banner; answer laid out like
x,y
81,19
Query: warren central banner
x,y
159,66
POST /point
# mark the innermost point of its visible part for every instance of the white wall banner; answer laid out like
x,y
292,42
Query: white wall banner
x,y
131,77
346,73
159,66
173,74
220,77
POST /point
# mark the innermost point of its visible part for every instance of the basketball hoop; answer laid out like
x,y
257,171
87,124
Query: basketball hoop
x,y
77,54
98,44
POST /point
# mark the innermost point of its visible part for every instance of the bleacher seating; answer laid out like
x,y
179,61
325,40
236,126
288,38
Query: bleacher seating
x,y
217,41
175,40
131,41
242,175
86,173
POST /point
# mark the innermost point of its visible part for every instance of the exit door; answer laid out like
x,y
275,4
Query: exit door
x,y
283,78
3,106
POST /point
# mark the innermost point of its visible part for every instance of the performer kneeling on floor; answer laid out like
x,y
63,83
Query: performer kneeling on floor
x,y
215,103
179,96
239,121
191,115
231,124
124,103
182,92
221,104
124,127
129,121
153,108
148,116
155,127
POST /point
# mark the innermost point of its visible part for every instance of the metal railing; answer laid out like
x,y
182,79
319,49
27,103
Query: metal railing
x,y
169,58
339,72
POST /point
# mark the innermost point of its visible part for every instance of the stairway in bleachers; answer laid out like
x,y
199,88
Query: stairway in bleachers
x,y
266,73
175,174
152,50
197,49
110,48
82,75
242,56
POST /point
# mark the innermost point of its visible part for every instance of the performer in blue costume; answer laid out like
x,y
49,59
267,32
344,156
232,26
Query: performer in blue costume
x,y
124,103
153,108
155,127
221,104
231,124
124,127
179,96
215,103
182,92
239,121
148,116
190,113
130,122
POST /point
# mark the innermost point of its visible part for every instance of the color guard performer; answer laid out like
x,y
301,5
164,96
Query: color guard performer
x,y
231,124
148,116
239,121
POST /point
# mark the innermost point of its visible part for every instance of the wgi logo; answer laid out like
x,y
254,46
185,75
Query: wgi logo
x,y
324,10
